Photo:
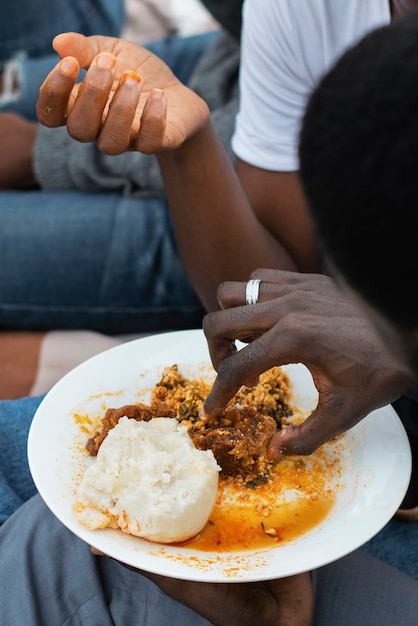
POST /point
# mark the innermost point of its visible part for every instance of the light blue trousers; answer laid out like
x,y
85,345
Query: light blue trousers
x,y
48,577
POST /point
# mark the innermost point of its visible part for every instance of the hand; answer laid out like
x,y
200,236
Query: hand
x,y
281,602
301,318
17,137
129,98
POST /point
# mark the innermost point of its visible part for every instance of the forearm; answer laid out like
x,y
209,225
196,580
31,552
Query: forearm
x,y
218,235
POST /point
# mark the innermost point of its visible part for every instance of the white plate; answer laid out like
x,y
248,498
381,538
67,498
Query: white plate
x,y
376,461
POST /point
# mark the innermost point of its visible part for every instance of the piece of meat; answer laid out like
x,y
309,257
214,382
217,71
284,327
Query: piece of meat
x,y
238,438
239,441
111,417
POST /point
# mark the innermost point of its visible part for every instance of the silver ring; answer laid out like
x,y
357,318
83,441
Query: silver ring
x,y
252,291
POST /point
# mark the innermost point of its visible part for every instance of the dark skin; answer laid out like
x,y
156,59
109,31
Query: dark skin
x,y
140,119
275,199
296,314
282,602
300,314
249,227
401,7
17,140
152,112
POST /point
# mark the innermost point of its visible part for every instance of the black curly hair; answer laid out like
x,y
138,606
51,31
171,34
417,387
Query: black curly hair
x,y
359,167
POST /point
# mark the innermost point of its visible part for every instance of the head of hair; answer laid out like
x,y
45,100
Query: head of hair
x,y
359,167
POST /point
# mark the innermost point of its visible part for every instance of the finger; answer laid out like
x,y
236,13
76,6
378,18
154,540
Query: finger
x,y
274,284
150,138
83,48
245,323
233,294
85,117
55,93
326,422
128,54
116,133
237,370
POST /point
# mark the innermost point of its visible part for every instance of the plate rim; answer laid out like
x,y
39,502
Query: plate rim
x,y
222,572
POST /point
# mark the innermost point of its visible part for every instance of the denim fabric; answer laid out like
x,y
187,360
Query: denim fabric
x,y
30,26
101,262
16,484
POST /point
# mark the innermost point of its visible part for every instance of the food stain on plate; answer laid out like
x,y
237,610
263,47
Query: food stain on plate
x,y
297,495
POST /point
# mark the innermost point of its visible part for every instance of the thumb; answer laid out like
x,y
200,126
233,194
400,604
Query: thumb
x,y
83,48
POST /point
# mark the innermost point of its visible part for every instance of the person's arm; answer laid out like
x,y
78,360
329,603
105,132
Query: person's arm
x,y
217,231
17,139
278,602
218,234
279,204
302,318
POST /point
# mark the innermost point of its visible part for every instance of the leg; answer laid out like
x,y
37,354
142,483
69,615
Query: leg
x,y
101,262
16,484
395,544
39,589
361,590
30,26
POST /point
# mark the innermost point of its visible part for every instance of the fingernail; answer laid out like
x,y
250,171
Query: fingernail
x,y
68,65
105,61
156,94
130,78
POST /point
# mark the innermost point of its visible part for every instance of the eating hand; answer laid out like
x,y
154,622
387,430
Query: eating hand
x,y
301,318
129,98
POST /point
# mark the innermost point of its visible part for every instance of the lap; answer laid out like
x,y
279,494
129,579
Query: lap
x,y
364,591
40,588
135,280
84,589
16,484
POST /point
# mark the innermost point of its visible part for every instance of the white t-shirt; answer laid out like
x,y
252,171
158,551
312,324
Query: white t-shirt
x,y
287,46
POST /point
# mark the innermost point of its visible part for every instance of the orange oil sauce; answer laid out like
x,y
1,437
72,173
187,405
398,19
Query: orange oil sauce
x,y
293,502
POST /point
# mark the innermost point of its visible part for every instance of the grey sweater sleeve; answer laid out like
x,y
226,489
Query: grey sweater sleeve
x,y
61,163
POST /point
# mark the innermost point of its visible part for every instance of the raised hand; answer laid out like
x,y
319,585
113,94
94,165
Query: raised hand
x,y
301,318
129,98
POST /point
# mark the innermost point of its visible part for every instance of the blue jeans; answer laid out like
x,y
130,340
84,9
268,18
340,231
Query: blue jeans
x,y
98,261
30,25
102,262
16,484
